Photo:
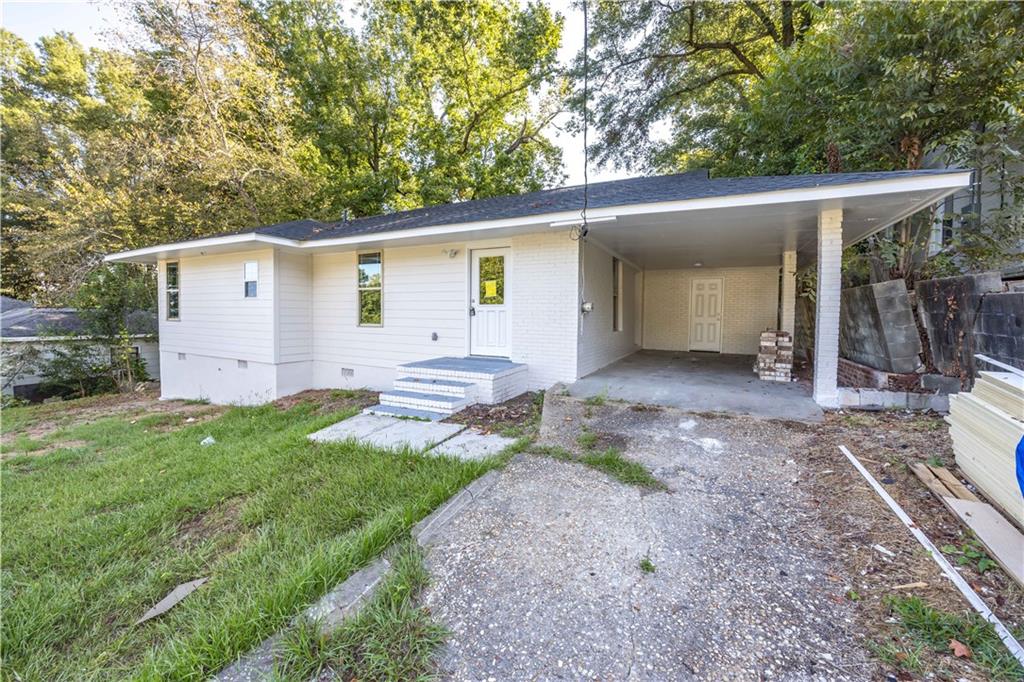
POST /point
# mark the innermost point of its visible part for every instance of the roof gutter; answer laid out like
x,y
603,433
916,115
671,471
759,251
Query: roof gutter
x,y
943,182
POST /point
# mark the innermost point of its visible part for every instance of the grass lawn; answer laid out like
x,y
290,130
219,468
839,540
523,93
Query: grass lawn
x,y
97,532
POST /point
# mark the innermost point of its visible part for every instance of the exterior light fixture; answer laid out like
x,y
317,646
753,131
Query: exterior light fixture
x,y
697,264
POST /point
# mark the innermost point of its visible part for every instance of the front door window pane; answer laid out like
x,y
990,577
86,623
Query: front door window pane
x,y
492,280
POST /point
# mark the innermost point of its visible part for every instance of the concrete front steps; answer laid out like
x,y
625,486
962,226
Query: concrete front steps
x,y
437,388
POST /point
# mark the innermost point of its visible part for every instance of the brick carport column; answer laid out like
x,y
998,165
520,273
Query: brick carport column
x,y
787,307
826,317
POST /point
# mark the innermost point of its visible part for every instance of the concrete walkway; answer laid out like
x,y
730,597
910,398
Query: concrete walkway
x,y
701,382
437,438
541,578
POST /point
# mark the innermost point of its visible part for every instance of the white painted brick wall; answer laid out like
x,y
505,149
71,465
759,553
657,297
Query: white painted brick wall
x,y
787,312
599,344
545,317
826,326
750,305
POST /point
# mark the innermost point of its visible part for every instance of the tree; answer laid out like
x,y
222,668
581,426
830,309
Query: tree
x,y
685,64
106,150
429,103
890,86
237,113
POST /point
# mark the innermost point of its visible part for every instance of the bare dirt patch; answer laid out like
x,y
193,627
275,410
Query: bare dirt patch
x,y
215,522
329,400
49,418
519,416
887,443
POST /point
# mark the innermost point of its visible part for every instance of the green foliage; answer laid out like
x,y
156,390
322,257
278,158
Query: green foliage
x,y
248,112
611,462
688,64
430,103
587,440
646,565
392,638
113,149
791,87
929,627
971,554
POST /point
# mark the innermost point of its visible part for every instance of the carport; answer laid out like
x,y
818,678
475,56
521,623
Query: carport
x,y
744,239
701,382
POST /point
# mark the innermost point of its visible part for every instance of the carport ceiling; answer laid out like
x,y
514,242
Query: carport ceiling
x,y
749,235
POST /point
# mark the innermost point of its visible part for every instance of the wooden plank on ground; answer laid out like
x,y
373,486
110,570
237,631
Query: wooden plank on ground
x,y
931,480
1002,540
958,489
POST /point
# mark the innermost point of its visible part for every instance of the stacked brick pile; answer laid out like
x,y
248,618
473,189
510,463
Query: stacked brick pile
x,y
775,357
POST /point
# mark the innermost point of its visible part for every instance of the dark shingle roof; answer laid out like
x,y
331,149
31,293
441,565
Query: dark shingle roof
x,y
33,322
8,303
679,187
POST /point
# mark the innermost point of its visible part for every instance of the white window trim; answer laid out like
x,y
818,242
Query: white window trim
x,y
618,324
168,290
246,280
359,289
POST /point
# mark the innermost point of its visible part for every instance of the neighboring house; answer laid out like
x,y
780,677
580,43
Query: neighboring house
x,y
30,335
497,296
988,194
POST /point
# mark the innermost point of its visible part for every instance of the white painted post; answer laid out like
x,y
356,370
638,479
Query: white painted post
x,y
787,312
826,318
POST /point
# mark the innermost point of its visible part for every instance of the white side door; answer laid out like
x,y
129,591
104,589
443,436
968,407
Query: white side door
x,y
488,302
706,313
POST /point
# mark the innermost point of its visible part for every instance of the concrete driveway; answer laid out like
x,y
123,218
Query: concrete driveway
x,y
542,577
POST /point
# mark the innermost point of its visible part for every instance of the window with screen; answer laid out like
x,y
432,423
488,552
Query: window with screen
x,y
251,277
370,273
172,287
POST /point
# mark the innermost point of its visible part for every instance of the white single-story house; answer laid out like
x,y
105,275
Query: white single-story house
x,y
481,300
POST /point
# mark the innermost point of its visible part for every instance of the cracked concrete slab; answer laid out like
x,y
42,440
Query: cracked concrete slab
x,y
473,444
387,432
353,428
540,577
415,435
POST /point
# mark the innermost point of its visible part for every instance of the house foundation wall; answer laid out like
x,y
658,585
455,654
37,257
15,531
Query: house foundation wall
x,y
220,380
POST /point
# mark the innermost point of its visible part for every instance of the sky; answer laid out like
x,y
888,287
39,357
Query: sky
x,y
90,21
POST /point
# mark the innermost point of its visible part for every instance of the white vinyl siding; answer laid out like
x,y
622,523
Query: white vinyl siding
x,y
750,306
294,276
212,319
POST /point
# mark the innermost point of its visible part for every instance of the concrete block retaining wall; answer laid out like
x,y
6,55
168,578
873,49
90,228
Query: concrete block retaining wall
x,y
949,309
878,329
999,328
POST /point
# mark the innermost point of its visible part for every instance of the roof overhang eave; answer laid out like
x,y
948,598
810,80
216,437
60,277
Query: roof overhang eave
x,y
939,185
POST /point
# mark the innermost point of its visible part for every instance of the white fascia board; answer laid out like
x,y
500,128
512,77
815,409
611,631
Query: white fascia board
x,y
149,253
950,181
946,181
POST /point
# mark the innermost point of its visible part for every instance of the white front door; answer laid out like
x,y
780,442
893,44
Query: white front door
x,y
706,313
488,303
